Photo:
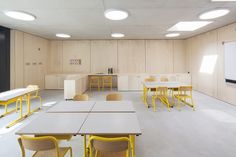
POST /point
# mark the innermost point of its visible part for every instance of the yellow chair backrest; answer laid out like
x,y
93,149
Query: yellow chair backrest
x,y
38,144
114,97
162,91
185,90
164,79
94,79
34,87
107,79
150,79
81,97
110,144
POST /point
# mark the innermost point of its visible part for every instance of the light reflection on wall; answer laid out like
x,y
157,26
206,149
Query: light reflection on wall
x,y
208,64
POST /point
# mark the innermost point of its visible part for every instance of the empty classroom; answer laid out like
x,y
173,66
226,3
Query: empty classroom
x,y
117,78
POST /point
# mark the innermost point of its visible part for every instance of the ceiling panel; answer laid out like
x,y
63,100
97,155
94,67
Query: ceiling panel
x,y
84,19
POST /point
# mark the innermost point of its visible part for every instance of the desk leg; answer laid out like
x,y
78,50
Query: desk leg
x,y
132,139
145,92
85,146
6,108
21,117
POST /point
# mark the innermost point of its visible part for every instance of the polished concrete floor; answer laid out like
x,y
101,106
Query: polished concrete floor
x,y
210,131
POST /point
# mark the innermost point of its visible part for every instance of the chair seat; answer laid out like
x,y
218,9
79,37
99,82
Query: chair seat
x,y
52,152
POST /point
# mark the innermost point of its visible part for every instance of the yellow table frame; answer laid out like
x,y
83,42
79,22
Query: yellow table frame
x,y
131,137
21,116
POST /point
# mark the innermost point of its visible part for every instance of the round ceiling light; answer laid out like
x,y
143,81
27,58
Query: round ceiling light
x,y
214,14
62,35
19,15
117,35
171,35
115,14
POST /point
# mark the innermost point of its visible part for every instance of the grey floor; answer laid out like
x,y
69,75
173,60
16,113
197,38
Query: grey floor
x,y
210,131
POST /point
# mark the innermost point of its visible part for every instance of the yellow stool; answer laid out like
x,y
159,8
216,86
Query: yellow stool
x,y
94,82
106,82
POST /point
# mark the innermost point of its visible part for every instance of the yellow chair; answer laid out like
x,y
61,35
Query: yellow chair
x,y
184,93
114,97
81,97
109,146
94,81
35,95
150,79
161,93
46,146
164,79
107,82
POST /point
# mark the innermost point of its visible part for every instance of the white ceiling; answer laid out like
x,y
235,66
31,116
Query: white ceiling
x,y
84,19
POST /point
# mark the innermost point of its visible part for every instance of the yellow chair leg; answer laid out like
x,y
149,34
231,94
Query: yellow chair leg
x,y
178,103
71,155
154,103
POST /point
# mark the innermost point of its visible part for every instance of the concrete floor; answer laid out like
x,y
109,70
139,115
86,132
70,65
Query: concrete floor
x,y
209,131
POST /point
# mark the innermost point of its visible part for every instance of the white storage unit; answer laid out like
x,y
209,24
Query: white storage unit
x,y
75,85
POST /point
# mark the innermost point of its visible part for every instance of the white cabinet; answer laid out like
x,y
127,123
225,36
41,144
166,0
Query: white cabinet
x,y
75,85
130,82
123,83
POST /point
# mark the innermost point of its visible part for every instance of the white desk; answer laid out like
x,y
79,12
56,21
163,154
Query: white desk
x,y
55,124
14,95
163,84
113,106
72,107
111,123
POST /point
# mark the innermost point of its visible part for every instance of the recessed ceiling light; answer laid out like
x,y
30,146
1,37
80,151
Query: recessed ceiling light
x,y
189,25
117,35
214,14
171,35
19,15
223,0
115,14
62,35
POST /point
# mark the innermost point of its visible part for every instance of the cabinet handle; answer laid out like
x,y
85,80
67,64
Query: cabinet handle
x,y
34,63
27,63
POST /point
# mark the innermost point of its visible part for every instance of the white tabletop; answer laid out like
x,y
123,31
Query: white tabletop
x,y
55,124
111,123
163,84
8,95
113,106
72,106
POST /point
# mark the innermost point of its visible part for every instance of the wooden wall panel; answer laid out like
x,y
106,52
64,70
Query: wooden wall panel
x,y
76,50
131,56
159,56
206,44
226,91
55,58
17,62
103,55
35,60
179,56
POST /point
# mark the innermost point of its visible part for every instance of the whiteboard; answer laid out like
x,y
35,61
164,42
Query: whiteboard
x,y
230,61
